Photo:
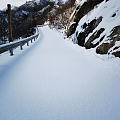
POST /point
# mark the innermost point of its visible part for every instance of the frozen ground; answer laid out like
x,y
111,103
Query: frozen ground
x,y
56,80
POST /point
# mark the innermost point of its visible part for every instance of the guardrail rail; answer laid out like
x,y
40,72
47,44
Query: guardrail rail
x,y
12,45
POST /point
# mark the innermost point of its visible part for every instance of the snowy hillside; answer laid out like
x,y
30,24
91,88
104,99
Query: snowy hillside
x,y
56,1
95,24
26,17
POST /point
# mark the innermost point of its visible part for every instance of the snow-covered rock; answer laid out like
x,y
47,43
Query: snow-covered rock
x,y
95,24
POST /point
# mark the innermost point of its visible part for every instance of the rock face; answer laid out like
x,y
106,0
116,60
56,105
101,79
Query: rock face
x,y
80,12
113,38
95,24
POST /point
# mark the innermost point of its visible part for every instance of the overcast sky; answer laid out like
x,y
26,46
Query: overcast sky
x,y
3,3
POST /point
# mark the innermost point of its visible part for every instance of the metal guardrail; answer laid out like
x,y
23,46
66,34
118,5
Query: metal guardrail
x,y
15,44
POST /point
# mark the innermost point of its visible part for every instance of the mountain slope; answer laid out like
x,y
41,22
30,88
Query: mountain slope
x,y
32,13
24,19
95,24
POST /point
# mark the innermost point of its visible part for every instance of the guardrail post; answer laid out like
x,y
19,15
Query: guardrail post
x,y
10,23
21,47
31,40
27,43
11,52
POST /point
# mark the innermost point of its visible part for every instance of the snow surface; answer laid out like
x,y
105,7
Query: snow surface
x,y
54,79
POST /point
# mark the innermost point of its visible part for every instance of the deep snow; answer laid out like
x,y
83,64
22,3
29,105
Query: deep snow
x,y
54,79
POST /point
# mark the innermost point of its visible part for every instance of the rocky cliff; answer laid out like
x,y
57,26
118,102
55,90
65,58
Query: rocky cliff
x,y
95,24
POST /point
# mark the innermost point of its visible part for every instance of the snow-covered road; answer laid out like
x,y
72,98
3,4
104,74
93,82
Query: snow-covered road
x,y
56,80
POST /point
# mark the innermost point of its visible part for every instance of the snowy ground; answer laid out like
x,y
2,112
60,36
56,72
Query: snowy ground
x,y
56,80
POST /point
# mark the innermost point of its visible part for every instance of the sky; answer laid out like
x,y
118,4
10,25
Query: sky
x,y
3,3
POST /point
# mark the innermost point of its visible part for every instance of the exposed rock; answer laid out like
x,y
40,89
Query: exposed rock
x,y
79,13
95,35
116,54
103,49
81,39
114,36
72,29
114,15
94,24
88,28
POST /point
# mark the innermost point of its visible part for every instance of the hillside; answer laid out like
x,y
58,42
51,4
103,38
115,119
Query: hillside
x,y
95,24
30,14
24,19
